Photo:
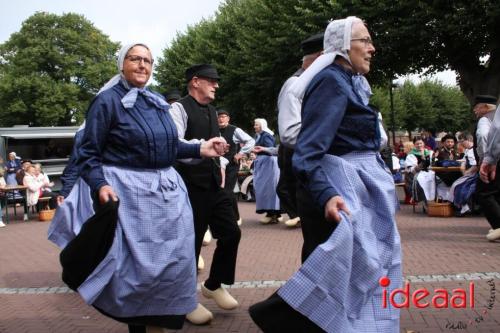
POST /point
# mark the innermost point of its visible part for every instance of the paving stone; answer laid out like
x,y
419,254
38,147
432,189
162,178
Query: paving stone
x,y
447,252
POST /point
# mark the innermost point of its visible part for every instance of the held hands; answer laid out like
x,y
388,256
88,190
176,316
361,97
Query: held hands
x,y
214,147
487,172
332,208
106,193
258,149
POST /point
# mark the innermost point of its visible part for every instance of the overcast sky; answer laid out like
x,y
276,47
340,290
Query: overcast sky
x,y
154,22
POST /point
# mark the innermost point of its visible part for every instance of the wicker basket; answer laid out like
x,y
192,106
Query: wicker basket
x,y
439,209
46,215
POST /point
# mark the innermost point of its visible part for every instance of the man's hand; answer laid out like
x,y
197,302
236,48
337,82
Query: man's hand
x,y
106,193
333,207
487,172
60,200
214,147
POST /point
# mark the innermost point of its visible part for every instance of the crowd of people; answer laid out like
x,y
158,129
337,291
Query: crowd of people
x,y
170,164
448,170
23,172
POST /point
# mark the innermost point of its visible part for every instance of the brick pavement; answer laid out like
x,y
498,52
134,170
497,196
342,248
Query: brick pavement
x,y
438,253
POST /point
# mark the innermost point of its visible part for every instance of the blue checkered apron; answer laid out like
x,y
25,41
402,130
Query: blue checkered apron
x,y
150,269
265,179
337,287
70,216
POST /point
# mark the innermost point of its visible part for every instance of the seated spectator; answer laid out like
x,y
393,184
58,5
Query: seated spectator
x,y
38,186
245,164
447,152
417,163
467,141
462,190
245,177
397,175
447,156
398,147
25,164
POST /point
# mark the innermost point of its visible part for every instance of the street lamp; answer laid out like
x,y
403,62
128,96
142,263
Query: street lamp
x,y
393,119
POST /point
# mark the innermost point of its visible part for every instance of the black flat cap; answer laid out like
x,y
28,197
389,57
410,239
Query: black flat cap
x,y
488,99
221,112
312,44
173,95
202,70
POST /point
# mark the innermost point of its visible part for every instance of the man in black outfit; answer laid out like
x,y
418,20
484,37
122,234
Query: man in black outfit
x,y
234,136
196,119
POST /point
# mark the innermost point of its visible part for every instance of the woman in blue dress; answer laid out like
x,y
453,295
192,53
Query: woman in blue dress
x,y
12,165
266,173
148,278
336,158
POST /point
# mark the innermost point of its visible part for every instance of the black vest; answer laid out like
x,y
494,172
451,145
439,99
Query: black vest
x,y
227,133
207,174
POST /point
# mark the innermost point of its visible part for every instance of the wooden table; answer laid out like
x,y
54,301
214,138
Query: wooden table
x,y
438,170
12,188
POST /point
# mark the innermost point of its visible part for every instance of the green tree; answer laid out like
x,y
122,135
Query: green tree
x,y
51,69
255,44
412,36
429,105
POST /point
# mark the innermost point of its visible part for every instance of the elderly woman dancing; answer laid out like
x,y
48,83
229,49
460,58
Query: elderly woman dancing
x,y
266,173
148,278
337,288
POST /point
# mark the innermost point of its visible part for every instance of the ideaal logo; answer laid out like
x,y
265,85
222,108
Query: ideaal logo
x,y
440,298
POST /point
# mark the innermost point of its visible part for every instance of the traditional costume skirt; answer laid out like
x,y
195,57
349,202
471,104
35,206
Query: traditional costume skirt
x,y
70,216
10,179
462,191
337,287
150,269
265,180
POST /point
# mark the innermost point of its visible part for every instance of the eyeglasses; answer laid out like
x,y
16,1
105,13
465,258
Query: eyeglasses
x,y
137,60
367,41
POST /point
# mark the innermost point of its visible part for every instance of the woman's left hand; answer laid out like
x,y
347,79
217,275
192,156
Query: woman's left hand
x,y
214,147
333,207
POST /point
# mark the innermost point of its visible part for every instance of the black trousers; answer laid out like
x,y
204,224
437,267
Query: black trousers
x,y
274,315
315,228
214,208
231,179
53,198
287,183
488,197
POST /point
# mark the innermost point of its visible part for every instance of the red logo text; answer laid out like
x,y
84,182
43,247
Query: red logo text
x,y
422,298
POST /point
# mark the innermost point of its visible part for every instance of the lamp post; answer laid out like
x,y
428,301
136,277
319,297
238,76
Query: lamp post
x,y
393,119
